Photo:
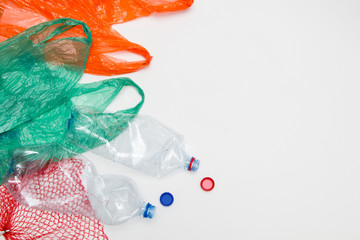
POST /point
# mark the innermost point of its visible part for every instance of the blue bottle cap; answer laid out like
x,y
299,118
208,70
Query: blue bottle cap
x,y
166,199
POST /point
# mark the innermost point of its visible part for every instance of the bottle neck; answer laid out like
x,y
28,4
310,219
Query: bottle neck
x,y
149,211
192,164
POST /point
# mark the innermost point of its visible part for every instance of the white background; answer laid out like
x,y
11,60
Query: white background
x,y
266,94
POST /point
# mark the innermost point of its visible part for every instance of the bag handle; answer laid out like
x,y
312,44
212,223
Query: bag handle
x,y
101,64
135,109
102,126
108,89
64,24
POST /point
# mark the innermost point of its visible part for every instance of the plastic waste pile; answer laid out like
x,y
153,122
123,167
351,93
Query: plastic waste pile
x,y
48,119
74,187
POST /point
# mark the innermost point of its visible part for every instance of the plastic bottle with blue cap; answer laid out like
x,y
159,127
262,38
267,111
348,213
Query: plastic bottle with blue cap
x,y
116,199
149,147
110,198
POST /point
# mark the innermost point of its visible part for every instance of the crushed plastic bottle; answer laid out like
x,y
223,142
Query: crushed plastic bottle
x,y
150,147
114,198
72,186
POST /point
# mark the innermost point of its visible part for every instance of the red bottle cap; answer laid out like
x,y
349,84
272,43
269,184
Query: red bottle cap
x,y
207,184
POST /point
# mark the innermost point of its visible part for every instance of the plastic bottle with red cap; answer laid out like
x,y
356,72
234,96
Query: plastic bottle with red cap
x,y
149,147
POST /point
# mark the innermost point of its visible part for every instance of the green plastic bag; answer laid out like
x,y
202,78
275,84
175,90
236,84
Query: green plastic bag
x,y
38,69
74,127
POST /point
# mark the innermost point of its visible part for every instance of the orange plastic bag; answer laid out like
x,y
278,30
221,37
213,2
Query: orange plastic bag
x,y
99,15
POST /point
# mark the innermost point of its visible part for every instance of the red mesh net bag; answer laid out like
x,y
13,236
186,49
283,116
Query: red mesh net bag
x,y
99,15
21,223
59,188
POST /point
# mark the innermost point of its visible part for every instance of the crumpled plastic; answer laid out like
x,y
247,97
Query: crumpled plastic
x,y
73,186
39,68
99,16
148,146
76,126
49,185
19,222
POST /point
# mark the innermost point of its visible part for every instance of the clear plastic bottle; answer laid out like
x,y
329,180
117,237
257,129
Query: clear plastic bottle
x,y
150,147
73,186
114,198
